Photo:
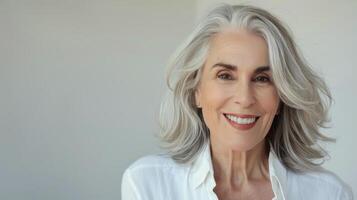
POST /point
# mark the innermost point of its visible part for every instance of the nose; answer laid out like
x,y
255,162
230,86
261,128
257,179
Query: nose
x,y
244,95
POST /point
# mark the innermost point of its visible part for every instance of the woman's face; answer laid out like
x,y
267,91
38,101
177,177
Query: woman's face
x,y
236,92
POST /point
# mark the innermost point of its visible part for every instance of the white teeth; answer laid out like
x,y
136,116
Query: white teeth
x,y
239,120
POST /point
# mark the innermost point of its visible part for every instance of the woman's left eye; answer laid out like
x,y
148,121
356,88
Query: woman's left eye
x,y
262,79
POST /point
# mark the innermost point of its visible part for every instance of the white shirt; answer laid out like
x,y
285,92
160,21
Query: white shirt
x,y
158,177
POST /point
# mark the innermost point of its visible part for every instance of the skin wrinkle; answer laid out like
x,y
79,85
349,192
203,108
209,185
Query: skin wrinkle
x,y
239,158
246,161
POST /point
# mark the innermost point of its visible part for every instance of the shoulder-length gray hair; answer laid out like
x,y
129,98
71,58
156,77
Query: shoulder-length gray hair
x,y
305,98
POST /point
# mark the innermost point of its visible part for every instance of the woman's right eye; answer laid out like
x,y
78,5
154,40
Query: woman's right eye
x,y
225,76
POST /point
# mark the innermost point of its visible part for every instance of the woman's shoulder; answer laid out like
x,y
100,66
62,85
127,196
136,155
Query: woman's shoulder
x,y
150,175
154,166
322,176
154,162
323,181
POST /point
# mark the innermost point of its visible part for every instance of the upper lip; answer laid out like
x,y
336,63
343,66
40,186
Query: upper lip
x,y
242,115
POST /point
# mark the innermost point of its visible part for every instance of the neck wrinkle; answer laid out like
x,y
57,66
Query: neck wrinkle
x,y
235,168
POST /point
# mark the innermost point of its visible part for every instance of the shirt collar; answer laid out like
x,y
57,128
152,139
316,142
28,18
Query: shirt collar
x,y
201,167
278,175
202,170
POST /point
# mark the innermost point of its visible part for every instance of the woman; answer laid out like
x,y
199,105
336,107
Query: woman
x,y
243,119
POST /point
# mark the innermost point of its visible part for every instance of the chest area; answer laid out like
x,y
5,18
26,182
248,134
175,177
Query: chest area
x,y
252,191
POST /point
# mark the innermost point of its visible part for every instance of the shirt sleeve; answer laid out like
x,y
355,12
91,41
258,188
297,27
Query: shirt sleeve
x,y
346,193
129,190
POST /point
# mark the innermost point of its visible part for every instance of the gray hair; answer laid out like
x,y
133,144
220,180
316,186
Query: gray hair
x,y
305,97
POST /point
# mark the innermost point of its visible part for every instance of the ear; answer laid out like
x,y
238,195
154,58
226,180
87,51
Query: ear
x,y
198,98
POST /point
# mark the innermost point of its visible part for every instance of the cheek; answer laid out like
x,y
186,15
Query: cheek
x,y
269,100
213,99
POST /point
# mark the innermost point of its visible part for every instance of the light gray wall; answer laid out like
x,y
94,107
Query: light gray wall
x,y
326,33
80,86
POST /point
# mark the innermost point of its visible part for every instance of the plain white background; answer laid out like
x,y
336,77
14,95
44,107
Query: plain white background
x,y
81,83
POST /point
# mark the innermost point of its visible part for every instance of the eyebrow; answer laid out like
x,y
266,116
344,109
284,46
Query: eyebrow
x,y
234,68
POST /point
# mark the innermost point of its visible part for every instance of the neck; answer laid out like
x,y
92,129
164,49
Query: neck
x,y
237,168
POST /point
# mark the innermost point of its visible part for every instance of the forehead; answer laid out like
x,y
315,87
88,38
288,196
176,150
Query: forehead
x,y
238,47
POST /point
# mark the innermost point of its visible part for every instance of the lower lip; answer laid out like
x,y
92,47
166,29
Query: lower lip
x,y
241,126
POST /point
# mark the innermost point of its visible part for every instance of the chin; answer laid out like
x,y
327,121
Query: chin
x,y
242,146
239,146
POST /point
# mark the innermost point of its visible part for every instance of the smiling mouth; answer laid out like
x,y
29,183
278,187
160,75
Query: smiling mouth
x,y
242,122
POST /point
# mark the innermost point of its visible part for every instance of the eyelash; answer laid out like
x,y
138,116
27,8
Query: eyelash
x,y
267,79
223,76
220,76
